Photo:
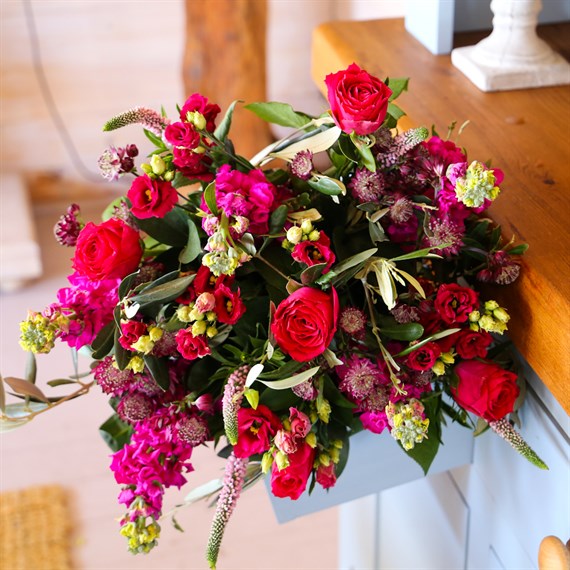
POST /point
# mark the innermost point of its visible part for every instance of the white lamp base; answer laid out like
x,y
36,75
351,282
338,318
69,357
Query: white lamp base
x,y
510,76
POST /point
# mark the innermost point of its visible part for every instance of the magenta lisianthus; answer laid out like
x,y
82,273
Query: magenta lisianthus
x,y
315,252
256,429
151,198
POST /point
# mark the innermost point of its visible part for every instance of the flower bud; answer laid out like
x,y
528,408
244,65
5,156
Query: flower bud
x,y
266,462
438,368
168,175
211,332
147,168
474,316
199,327
314,235
501,315
490,306
136,364
447,358
155,333
307,226
157,164
311,439
294,234
183,314
143,344
324,459
197,119
282,460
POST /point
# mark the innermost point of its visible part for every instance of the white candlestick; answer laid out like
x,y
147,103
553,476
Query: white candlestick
x,y
513,56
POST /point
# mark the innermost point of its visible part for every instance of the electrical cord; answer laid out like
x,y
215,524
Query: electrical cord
x,y
49,98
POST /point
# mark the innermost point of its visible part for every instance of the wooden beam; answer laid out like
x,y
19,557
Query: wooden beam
x,y
224,59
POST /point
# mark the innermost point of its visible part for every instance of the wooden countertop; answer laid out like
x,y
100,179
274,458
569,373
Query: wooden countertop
x,y
526,133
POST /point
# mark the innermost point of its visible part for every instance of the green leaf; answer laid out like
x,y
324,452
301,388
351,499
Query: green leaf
x,y
292,380
283,371
172,229
316,141
156,141
193,248
164,292
312,273
180,180
377,233
2,395
278,219
518,249
407,331
115,432
279,114
354,260
327,186
104,340
210,198
223,129
122,356
159,370
398,85
424,453
436,336
395,111
31,368
126,285
60,382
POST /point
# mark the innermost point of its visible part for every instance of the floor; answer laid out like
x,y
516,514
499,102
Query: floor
x,y
63,446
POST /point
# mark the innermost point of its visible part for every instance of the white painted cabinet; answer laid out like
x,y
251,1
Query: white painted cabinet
x,y
490,514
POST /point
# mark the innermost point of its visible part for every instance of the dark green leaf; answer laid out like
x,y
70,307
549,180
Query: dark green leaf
x,y
159,370
407,331
395,111
122,356
115,432
398,85
424,453
210,198
180,180
164,292
279,114
312,273
126,285
172,229
278,218
193,247
223,129
104,340
284,371
326,186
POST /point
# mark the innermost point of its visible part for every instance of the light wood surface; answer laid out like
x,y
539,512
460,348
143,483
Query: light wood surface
x,y
525,133
224,59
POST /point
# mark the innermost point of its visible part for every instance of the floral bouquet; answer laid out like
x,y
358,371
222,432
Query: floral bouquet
x,y
275,306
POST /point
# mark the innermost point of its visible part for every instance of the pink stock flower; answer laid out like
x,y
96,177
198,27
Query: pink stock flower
x,y
376,422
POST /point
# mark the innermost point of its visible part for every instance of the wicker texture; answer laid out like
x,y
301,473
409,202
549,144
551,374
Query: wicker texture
x,y
35,531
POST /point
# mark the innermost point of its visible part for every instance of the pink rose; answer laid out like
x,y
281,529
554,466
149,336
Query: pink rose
x,y
285,442
305,322
292,481
191,347
358,100
424,358
454,303
485,389
151,198
108,250
256,428
300,423
326,476
315,252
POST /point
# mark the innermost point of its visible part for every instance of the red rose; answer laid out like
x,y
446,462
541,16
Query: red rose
x,y
292,481
108,250
191,347
314,252
151,198
229,306
471,344
485,389
454,303
424,358
255,430
305,322
358,100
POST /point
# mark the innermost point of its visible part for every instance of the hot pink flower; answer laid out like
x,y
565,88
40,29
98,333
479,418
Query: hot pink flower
x,y
199,103
376,422
182,134
326,476
300,423
229,306
424,358
131,331
454,303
